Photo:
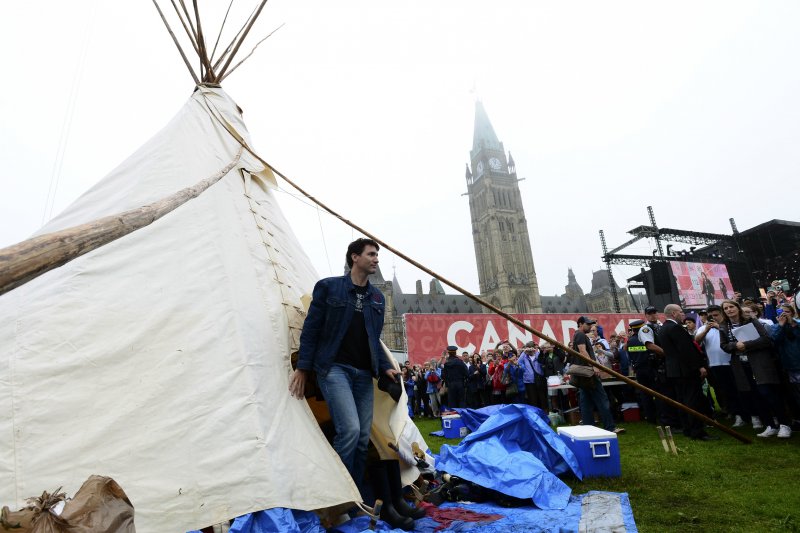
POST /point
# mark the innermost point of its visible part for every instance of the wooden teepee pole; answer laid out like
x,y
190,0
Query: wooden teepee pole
x,y
221,72
31,258
175,40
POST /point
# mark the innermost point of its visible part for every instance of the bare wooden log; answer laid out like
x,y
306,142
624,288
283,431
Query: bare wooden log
x,y
31,258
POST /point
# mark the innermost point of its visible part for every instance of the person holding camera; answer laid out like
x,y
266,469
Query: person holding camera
x,y
496,369
786,335
719,361
433,378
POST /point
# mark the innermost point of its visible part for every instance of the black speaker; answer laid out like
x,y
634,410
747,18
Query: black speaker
x,y
661,277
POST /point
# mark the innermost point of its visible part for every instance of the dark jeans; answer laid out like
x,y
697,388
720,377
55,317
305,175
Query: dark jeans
x,y
646,401
498,398
536,393
725,387
595,398
349,394
456,396
768,401
667,414
690,394
425,400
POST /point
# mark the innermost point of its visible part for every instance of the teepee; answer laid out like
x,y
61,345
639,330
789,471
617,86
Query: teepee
x,y
161,359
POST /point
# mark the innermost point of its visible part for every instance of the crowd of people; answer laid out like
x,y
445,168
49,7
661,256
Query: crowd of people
x,y
737,361
497,376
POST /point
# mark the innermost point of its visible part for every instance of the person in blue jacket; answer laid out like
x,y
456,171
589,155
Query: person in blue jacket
x,y
516,375
409,383
786,336
341,343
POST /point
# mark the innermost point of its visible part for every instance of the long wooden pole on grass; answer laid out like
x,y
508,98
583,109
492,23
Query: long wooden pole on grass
x,y
488,305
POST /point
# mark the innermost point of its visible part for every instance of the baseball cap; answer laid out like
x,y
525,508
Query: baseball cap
x,y
650,309
586,320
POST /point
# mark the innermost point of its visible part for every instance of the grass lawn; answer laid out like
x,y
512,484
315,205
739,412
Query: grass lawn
x,y
710,486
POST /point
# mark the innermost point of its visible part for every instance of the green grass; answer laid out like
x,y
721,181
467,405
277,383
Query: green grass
x,y
711,486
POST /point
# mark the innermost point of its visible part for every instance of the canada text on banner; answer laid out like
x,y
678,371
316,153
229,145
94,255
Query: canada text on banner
x,y
428,334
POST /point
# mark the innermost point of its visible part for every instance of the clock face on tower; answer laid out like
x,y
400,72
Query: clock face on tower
x,y
495,163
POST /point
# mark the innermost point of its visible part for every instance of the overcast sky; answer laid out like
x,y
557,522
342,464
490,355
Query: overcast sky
x,y
607,107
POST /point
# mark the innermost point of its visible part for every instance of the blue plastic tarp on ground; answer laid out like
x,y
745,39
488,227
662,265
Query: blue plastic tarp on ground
x,y
595,510
515,452
278,520
473,418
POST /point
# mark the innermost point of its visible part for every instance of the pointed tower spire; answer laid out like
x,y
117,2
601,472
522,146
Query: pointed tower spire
x,y
573,290
512,167
396,284
483,135
571,276
469,174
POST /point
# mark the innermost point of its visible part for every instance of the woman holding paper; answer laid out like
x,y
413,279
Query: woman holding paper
x,y
751,349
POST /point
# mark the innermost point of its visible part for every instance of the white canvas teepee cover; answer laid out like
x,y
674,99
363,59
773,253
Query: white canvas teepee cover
x,y
161,359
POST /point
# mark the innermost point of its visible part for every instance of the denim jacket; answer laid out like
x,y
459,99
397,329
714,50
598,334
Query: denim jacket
x,y
329,316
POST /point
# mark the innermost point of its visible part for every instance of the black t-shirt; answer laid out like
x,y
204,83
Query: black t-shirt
x,y
581,338
354,350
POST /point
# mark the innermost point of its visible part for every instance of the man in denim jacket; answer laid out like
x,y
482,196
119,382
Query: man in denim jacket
x,y
341,343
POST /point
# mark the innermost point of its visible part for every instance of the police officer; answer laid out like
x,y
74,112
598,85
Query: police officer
x,y
455,376
648,337
644,364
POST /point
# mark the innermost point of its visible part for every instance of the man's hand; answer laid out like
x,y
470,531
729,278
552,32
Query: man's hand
x,y
740,346
703,373
392,373
297,384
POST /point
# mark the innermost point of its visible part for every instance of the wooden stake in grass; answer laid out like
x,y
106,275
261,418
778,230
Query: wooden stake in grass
x,y
671,441
663,439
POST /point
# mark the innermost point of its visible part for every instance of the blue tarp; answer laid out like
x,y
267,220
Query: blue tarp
x,y
615,510
473,418
515,452
278,519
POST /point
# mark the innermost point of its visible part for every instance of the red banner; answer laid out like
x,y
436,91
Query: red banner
x,y
427,334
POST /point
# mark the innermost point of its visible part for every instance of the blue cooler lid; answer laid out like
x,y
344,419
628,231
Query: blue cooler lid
x,y
585,432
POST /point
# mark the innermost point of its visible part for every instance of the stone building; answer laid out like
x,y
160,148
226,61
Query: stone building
x,y
506,275
398,303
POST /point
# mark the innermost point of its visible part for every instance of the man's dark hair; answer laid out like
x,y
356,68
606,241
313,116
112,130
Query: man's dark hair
x,y
357,247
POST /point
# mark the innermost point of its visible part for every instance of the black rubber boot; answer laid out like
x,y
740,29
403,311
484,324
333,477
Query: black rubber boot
x,y
380,485
396,486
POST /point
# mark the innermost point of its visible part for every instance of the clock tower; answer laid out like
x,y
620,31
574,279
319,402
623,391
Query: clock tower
x,y
506,273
